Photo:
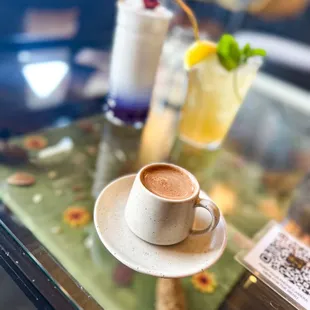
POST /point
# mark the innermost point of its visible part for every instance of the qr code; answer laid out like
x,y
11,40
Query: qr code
x,y
290,260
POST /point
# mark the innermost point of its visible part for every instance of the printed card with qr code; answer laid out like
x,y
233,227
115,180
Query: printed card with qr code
x,y
283,263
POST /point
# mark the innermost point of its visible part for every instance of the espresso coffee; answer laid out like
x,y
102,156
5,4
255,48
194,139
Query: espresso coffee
x,y
167,182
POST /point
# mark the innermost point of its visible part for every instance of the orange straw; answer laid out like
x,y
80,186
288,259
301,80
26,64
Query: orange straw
x,y
191,17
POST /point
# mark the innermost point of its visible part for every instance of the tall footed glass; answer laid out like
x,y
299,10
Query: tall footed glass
x,y
213,99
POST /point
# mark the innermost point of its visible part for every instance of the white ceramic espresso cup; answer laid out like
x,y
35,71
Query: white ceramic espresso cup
x,y
165,221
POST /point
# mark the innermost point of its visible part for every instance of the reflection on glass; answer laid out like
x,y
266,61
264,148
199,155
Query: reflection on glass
x,y
45,77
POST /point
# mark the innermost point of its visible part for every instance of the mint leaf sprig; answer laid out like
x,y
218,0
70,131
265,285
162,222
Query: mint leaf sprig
x,y
231,56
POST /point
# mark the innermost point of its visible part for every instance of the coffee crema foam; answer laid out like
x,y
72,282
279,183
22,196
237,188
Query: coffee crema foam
x,y
168,182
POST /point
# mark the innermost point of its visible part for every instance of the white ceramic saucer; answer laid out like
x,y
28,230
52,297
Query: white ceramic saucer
x,y
191,256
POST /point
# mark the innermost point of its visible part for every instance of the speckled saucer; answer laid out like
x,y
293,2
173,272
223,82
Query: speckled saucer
x,y
191,256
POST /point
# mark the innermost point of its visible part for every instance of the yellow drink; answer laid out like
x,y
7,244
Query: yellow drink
x,y
213,98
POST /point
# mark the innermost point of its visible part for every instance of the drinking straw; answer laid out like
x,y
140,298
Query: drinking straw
x,y
191,17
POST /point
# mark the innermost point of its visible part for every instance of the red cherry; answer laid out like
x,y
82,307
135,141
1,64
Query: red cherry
x,y
151,4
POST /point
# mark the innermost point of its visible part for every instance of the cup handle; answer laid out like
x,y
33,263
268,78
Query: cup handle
x,y
214,211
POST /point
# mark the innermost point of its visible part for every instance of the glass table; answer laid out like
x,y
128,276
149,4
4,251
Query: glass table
x,y
252,178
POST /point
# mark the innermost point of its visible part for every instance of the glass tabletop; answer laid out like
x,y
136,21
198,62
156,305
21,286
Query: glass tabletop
x,y
252,177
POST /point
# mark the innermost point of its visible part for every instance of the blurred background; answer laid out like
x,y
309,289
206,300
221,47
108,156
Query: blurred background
x,y
54,55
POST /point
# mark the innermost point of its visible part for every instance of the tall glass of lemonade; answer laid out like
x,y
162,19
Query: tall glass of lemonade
x,y
213,98
219,76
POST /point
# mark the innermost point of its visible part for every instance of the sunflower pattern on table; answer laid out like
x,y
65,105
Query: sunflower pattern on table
x,y
271,209
204,282
76,216
35,142
224,197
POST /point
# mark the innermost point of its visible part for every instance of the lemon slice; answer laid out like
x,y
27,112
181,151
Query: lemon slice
x,y
197,52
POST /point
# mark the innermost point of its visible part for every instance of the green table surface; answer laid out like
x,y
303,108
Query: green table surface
x,y
99,155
